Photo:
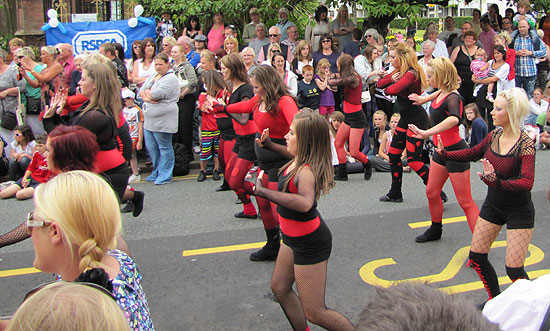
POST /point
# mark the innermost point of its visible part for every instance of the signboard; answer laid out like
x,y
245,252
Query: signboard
x,y
83,18
88,36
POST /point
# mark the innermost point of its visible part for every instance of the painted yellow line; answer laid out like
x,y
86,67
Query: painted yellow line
x,y
424,224
18,272
222,249
479,285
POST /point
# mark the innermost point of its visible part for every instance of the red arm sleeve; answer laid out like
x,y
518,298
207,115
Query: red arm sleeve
x,y
288,106
243,107
470,154
526,177
407,79
384,81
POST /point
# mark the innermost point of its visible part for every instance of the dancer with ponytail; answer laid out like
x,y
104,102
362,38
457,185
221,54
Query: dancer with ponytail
x,y
407,78
355,120
273,108
307,241
242,156
446,112
508,158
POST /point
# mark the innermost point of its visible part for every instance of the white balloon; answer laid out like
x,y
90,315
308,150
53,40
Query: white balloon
x,y
54,22
138,10
52,13
133,22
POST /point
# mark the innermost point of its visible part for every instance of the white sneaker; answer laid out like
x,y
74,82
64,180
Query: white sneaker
x,y
489,98
134,179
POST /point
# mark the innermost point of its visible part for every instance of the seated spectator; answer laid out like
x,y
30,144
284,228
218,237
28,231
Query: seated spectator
x,y
476,129
4,162
260,41
36,174
380,158
249,56
409,306
167,43
249,31
69,306
543,122
537,106
21,152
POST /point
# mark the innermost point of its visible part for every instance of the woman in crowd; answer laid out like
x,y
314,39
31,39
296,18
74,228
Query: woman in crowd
x,y
446,113
71,234
440,46
10,86
342,27
318,27
249,56
427,49
272,50
503,39
326,50
364,65
291,80
188,83
307,241
21,151
192,27
144,67
208,61
231,45
273,108
371,37
167,43
160,112
302,57
462,56
537,106
216,34
498,75
407,78
508,158
355,120
476,21
33,92
136,55
242,157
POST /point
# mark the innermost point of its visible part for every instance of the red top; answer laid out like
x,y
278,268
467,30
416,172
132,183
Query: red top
x,y
208,122
278,124
353,95
39,168
406,85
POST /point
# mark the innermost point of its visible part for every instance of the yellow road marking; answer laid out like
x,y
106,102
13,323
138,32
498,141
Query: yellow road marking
x,y
18,272
223,249
423,224
367,272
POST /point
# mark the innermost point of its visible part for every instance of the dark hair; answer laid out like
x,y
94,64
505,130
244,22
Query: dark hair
x,y
273,59
144,44
134,54
120,51
478,11
357,34
470,33
42,138
237,70
26,131
485,19
507,11
188,25
73,148
347,68
109,47
367,52
501,50
321,9
326,36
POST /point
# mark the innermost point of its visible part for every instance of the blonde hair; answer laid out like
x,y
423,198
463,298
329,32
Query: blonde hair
x,y
249,49
381,113
65,306
105,79
517,107
233,40
298,52
480,51
444,73
87,211
271,46
170,40
395,115
407,58
504,36
323,64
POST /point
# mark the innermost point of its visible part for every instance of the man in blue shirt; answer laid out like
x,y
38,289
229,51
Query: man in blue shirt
x,y
192,56
527,50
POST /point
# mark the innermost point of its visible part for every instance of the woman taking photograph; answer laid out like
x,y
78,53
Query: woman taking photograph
x,y
508,158
302,57
446,113
160,112
291,80
144,67
33,91
307,241
9,90
462,56
318,27
355,120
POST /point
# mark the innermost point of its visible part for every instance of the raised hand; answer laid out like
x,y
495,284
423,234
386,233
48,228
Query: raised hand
x,y
488,174
264,138
418,133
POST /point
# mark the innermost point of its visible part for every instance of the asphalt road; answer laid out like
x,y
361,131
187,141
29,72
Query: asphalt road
x,y
221,289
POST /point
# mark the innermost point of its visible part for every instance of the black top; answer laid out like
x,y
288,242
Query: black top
x,y
243,91
121,71
290,213
308,95
451,106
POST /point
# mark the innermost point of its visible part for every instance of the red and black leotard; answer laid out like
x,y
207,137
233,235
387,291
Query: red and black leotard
x,y
244,147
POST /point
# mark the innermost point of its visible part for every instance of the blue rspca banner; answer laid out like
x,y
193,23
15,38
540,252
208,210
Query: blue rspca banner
x,y
88,36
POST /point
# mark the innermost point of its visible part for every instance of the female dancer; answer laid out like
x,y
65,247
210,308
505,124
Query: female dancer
x,y
242,157
355,120
446,112
407,78
273,109
307,241
508,157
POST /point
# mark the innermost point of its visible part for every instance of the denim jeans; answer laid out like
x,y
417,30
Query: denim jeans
x,y
17,168
527,83
159,147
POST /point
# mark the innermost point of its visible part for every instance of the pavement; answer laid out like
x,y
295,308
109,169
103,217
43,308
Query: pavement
x,y
193,253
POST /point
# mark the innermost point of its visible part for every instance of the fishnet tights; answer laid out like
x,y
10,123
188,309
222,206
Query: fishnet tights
x,y
310,282
16,235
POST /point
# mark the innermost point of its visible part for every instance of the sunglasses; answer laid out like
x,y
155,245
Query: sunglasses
x,y
18,134
274,35
20,57
275,51
369,36
32,223
137,46
326,41
92,285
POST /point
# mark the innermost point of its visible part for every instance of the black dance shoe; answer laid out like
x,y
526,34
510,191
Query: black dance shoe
x,y
431,234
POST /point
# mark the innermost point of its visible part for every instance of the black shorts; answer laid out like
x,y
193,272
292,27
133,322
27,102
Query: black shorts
x,y
356,120
453,166
311,248
33,183
515,217
244,147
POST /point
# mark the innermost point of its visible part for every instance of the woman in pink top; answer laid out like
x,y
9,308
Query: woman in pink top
x,y
216,33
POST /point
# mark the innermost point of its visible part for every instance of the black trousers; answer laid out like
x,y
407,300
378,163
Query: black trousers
x,y
186,108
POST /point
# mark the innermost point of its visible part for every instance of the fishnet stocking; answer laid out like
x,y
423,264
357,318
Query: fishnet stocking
x,y
517,245
16,235
484,235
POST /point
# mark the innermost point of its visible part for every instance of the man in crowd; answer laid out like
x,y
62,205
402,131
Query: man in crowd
x,y
249,30
487,35
527,50
449,30
507,25
15,44
66,58
201,43
283,23
260,40
109,51
193,57
291,41
274,37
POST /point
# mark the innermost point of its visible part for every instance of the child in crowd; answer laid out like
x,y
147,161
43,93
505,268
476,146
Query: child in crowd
x,y
210,134
524,12
308,92
36,174
480,69
476,128
134,117
326,104
22,148
381,161
166,27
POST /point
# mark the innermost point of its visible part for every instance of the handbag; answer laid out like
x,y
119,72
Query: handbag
x,y
7,120
183,81
365,96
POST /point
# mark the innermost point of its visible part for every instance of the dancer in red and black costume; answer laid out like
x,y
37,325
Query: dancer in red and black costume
x,y
273,109
355,120
407,78
446,113
242,156
508,158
